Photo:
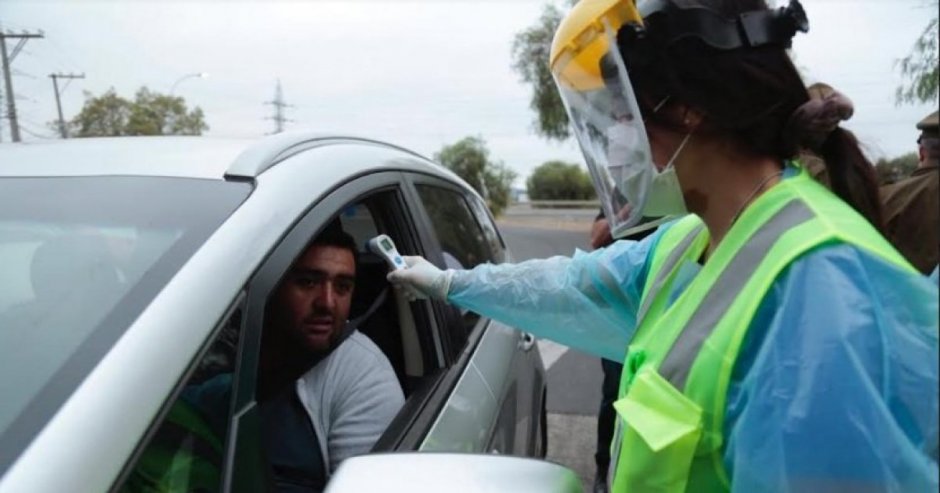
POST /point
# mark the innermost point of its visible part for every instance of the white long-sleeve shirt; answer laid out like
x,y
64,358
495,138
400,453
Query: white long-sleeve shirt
x,y
351,396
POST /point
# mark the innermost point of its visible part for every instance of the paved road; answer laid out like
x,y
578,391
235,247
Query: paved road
x,y
574,220
574,379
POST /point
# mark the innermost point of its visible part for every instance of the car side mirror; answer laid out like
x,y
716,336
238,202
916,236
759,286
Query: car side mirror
x,y
427,472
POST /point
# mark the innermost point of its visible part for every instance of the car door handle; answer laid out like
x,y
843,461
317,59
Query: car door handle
x,y
526,341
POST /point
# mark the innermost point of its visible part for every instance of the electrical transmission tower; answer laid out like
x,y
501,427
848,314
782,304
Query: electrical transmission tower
x,y
58,103
279,105
7,60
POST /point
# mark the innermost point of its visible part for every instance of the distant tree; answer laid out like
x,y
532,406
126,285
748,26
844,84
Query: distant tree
x,y
150,113
470,159
921,67
894,170
530,57
558,180
106,115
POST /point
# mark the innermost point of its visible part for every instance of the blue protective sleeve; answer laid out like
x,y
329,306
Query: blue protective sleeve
x,y
836,385
588,302
935,275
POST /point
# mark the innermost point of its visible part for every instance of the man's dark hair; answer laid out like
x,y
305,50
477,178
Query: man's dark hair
x,y
334,236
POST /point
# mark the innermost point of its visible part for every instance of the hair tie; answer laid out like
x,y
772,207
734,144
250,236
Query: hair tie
x,y
814,120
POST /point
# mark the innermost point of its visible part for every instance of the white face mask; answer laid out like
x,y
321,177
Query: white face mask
x,y
664,197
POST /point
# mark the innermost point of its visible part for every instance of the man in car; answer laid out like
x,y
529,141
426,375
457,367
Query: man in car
x,y
321,382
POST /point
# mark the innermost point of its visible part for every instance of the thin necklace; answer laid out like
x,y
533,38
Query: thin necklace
x,y
753,193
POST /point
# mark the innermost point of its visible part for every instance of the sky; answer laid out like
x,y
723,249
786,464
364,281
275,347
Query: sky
x,y
420,74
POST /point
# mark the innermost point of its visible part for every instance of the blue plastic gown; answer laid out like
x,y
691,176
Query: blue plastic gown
x,y
836,386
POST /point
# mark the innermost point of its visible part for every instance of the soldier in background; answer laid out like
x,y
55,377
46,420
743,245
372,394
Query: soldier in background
x,y
911,206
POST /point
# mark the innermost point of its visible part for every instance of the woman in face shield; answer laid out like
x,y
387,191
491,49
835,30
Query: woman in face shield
x,y
772,339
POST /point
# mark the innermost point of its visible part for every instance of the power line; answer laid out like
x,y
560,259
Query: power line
x,y
34,134
63,55
68,83
32,122
21,73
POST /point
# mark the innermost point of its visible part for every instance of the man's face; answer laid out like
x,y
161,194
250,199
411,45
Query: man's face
x,y
312,302
928,149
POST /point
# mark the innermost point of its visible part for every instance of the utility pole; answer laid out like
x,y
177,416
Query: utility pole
x,y
279,105
11,105
58,103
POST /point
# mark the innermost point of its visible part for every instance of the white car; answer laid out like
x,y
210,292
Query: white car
x,y
133,267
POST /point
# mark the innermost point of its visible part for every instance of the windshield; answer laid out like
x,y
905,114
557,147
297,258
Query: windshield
x,y
79,259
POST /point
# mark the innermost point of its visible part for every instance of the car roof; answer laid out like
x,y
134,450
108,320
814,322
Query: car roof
x,y
177,156
196,157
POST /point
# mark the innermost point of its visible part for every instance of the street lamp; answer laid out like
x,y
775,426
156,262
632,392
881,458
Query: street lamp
x,y
199,75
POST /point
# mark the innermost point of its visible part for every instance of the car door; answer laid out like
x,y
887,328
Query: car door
x,y
436,368
502,388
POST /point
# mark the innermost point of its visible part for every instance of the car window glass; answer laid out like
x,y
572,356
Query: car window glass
x,y
458,232
463,242
186,451
80,257
489,230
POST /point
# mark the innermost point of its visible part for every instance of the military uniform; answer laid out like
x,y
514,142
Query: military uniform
x,y
911,208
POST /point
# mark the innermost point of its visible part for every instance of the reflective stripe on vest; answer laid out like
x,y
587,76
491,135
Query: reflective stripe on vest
x,y
675,367
667,268
672,397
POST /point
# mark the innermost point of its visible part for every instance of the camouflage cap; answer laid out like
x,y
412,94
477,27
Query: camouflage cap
x,y
930,123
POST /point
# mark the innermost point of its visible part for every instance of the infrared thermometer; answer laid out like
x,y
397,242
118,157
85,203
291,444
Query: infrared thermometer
x,y
384,247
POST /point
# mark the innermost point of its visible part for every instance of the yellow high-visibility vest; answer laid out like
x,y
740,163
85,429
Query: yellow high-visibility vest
x,y
678,365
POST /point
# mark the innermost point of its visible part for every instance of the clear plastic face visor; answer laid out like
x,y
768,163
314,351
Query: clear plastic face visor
x,y
606,120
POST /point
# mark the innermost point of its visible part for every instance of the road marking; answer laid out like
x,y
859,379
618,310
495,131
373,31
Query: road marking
x,y
551,352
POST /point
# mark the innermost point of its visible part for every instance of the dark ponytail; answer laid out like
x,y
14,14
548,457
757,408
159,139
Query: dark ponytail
x,y
852,176
814,126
